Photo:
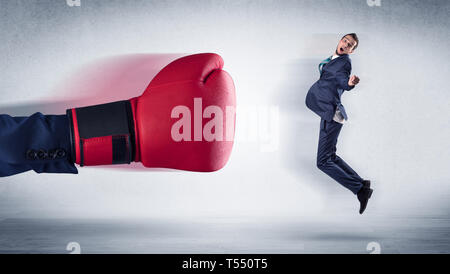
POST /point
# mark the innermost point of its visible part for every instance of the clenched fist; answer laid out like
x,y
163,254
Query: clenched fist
x,y
353,81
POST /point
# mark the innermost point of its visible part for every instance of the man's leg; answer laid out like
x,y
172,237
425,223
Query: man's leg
x,y
330,163
340,162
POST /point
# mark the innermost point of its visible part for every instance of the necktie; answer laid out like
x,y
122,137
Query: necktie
x,y
323,63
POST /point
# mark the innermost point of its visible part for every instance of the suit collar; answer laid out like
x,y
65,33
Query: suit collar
x,y
344,56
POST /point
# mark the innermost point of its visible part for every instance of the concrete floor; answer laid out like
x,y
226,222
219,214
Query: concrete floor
x,y
413,234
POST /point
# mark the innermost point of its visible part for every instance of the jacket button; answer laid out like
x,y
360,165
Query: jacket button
x,y
52,154
60,153
31,154
42,154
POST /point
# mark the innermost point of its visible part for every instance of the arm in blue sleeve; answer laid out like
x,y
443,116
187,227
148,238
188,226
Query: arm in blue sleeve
x,y
38,142
343,75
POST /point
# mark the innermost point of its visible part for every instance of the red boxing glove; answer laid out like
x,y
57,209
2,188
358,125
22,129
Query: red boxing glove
x,y
184,120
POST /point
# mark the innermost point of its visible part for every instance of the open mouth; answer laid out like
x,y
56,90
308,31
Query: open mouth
x,y
341,49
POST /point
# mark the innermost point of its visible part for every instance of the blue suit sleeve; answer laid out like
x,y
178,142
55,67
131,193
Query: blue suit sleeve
x,y
38,142
343,75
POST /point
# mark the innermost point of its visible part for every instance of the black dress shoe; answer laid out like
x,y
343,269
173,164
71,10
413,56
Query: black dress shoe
x,y
366,183
363,196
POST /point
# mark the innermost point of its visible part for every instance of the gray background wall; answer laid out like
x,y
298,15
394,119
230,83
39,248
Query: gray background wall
x,y
397,134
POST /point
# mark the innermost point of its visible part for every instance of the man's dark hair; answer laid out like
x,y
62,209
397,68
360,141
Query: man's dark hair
x,y
354,36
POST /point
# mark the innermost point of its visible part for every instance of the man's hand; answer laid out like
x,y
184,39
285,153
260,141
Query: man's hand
x,y
353,81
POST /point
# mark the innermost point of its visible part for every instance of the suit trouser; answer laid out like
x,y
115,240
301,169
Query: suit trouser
x,y
330,163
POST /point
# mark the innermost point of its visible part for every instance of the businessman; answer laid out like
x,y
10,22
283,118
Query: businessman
x,y
324,98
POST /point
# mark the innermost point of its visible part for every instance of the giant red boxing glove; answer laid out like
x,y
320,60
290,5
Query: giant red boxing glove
x,y
183,120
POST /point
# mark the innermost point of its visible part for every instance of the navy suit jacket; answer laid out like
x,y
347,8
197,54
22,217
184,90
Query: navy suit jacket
x,y
38,142
324,96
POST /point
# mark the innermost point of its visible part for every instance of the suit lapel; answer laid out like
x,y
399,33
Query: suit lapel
x,y
342,57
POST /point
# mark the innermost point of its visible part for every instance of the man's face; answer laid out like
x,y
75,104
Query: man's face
x,y
346,45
